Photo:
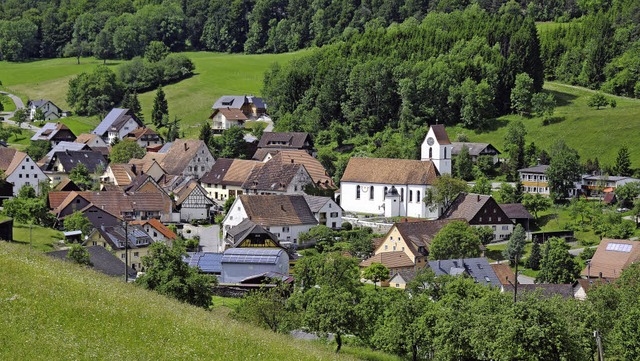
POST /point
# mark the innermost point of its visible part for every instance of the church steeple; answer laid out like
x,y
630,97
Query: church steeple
x,y
436,147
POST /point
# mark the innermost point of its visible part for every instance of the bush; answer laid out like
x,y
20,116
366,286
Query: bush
x,y
346,226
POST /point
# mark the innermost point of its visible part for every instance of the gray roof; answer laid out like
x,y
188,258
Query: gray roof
x,y
475,149
40,102
316,202
476,268
208,262
546,290
237,101
516,211
253,255
609,178
537,169
102,260
116,118
70,159
135,235
63,146
244,229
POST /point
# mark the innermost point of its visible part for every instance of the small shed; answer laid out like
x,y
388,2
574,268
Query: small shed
x,y
240,263
73,236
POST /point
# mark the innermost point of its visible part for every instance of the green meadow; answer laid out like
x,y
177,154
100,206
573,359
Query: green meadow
x,y
56,310
593,133
190,100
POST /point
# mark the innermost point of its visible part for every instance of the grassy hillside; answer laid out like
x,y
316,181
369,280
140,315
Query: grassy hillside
x,y
594,133
54,310
190,100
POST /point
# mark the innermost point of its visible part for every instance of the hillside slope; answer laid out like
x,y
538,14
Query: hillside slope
x,y
594,133
54,310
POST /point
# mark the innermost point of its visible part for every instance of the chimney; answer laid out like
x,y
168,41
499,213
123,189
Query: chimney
x,y
282,207
478,198
185,147
291,160
439,264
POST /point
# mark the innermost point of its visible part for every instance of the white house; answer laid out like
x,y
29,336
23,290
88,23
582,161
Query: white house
x,y
286,216
534,179
326,211
117,125
367,183
437,148
20,170
49,110
225,118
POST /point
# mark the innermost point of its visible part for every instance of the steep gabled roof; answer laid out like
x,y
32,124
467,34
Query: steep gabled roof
x,y
185,191
61,147
49,131
267,210
6,157
117,117
66,185
272,176
316,202
138,133
18,157
420,234
389,171
244,229
468,205
230,172
123,173
516,211
292,140
230,101
475,149
70,159
440,134
116,236
612,257
476,268
176,158
504,273
230,114
396,259
157,225
316,170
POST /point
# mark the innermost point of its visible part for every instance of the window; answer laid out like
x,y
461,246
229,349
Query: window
x,y
418,197
23,167
334,214
445,152
285,229
357,192
31,167
386,247
430,153
333,224
499,219
371,193
155,234
384,195
19,175
480,219
505,228
410,196
26,175
136,254
402,195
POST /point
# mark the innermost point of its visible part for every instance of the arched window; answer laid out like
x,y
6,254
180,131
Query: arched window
x,y
410,196
402,195
418,200
445,152
384,195
430,152
357,192
371,193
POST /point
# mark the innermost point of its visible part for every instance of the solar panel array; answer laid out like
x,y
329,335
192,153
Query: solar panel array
x,y
251,255
619,247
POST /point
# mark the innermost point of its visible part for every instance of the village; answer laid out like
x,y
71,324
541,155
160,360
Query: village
x,y
249,221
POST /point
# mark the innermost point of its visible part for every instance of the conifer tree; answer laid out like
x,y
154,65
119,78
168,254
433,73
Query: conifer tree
x,y
131,101
623,163
160,109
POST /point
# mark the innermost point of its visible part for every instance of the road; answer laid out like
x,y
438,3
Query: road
x,y
19,105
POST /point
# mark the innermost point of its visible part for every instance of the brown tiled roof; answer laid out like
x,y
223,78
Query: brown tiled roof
x,y
468,205
612,262
157,225
85,138
504,272
6,157
230,114
271,176
421,233
57,197
143,165
547,290
267,210
516,211
123,173
118,202
389,171
66,185
181,152
441,134
260,154
230,172
293,140
397,259
139,132
18,157
312,165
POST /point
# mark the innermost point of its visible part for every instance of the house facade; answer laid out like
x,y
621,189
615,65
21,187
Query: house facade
x,y
20,170
113,238
54,133
476,150
117,125
251,106
145,137
225,118
480,210
274,177
49,110
226,177
184,157
534,179
192,202
326,211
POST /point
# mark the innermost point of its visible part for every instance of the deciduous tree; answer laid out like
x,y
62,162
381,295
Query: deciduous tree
x,y
444,191
77,221
79,255
125,150
535,203
515,247
81,177
375,273
455,240
622,167
557,265
464,164
564,169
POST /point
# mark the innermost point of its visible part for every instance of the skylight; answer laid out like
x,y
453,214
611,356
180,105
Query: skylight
x,y
619,247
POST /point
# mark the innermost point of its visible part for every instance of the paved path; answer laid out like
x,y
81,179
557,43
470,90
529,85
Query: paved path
x,y
19,105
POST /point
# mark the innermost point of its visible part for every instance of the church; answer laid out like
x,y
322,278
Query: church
x,y
397,187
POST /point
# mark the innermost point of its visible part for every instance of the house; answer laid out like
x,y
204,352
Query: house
x,y
593,185
534,179
315,169
401,279
504,273
94,142
66,185
119,174
192,201
157,231
251,106
249,234
145,137
412,240
476,268
113,238
476,150
611,258
49,110
117,125
147,167
226,177
101,260
225,118
271,141
54,133
517,214
389,187
326,211
480,210
437,148
241,263
276,177
20,170
185,157
208,262
61,164
286,216
62,147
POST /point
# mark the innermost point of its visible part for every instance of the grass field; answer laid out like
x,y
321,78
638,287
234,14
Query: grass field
x,y
594,133
190,100
38,238
55,310
7,104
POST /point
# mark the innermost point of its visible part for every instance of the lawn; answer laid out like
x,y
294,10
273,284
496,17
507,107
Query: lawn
x,y
39,238
7,103
594,133
190,100
55,310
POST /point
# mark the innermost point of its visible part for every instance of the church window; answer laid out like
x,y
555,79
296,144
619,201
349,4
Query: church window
x,y
430,152
371,193
402,195
410,196
357,192
445,152
384,195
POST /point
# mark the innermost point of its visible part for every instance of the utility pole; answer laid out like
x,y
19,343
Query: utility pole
x,y
598,337
515,286
126,248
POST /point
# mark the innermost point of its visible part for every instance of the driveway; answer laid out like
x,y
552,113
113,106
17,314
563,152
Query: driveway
x,y
19,105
